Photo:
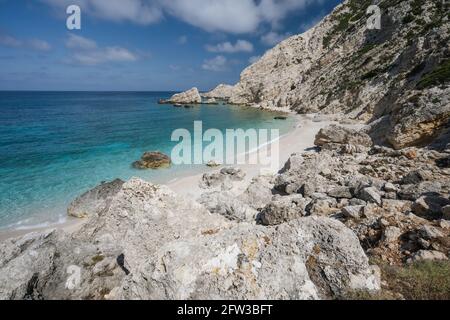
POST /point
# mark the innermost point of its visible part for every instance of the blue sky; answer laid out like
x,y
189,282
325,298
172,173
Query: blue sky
x,y
143,45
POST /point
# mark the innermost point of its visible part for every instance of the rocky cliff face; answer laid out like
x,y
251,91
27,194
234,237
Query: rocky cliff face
x,y
395,78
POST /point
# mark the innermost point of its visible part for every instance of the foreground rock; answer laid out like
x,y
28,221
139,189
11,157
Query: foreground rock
x,y
95,200
153,160
396,201
335,134
144,245
191,96
283,209
223,178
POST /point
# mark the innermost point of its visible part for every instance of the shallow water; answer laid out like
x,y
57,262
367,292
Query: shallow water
x,y
57,145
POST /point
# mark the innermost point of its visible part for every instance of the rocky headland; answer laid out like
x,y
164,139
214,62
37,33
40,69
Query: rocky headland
x,y
191,96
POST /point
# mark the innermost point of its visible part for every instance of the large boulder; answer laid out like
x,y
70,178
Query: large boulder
x,y
284,209
430,206
228,205
26,264
149,243
223,178
340,135
153,160
95,200
304,174
419,119
259,192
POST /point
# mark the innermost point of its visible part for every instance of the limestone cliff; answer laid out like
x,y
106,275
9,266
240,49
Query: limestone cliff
x,y
395,78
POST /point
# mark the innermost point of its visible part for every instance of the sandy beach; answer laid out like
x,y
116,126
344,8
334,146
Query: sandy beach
x,y
298,140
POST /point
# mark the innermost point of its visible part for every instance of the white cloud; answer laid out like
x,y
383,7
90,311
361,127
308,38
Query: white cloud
x,y
87,52
228,47
39,45
137,11
79,42
34,44
272,38
243,16
99,56
216,15
216,64
253,59
9,41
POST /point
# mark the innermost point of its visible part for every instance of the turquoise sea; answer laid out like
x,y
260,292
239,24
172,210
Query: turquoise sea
x,y
56,145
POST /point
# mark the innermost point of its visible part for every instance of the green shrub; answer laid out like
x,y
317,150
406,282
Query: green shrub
x,y
440,75
407,19
326,40
343,22
416,7
366,48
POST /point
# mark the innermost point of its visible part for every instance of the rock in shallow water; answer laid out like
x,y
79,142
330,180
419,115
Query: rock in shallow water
x,y
153,160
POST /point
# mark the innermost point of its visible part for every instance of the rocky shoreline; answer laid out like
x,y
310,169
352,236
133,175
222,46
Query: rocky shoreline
x,y
305,233
378,192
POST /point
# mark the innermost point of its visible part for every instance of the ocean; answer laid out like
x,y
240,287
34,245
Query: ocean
x,y
56,145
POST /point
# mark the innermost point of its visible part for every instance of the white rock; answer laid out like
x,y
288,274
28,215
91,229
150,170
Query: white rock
x,y
429,232
190,96
427,255
184,252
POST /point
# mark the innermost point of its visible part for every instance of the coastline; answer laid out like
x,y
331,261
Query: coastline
x,y
188,186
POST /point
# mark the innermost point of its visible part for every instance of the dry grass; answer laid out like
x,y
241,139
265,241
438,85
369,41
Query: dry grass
x,y
419,281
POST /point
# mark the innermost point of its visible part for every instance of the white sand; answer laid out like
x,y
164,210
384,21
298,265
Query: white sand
x,y
298,140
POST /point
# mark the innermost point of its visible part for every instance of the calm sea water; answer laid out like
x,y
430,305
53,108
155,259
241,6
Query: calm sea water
x,y
57,145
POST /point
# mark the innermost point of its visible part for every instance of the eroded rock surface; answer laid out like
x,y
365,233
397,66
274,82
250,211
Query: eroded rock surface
x,y
149,243
95,200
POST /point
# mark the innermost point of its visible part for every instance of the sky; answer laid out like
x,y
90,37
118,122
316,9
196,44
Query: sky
x,y
143,45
